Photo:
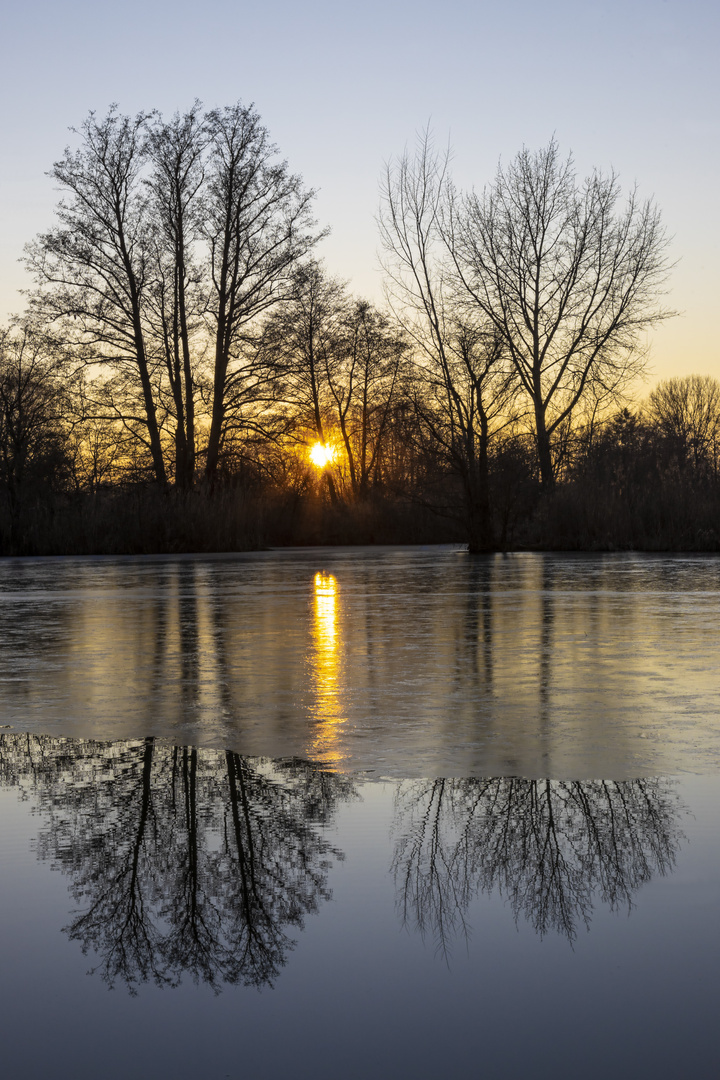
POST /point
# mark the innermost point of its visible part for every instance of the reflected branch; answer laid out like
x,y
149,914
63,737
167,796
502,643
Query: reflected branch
x,y
181,861
549,847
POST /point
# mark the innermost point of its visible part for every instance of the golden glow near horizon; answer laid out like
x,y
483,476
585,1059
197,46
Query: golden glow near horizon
x,y
321,455
325,671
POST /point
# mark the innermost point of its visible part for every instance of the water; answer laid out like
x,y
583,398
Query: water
x,y
392,662
396,813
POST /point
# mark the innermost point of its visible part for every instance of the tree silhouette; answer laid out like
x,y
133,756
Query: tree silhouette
x,y
182,861
549,847
569,279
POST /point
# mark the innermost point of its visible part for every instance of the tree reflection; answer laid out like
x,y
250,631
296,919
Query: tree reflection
x,y
549,847
181,861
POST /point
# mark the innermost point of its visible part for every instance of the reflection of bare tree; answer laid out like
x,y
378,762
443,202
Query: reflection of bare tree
x,y
181,860
548,846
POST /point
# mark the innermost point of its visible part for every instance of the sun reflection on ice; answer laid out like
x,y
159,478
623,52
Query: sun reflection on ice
x,y
327,712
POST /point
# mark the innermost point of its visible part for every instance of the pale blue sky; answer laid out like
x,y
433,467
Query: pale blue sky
x,y
342,87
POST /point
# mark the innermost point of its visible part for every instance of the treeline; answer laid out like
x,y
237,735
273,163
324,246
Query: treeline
x,y
188,376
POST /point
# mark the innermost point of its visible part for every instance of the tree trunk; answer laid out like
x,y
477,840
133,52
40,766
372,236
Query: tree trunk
x,y
481,533
218,403
547,475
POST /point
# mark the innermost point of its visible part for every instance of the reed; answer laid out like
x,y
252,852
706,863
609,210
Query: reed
x,y
145,521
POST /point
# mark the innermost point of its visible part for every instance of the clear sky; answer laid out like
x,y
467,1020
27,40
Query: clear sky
x,y
342,87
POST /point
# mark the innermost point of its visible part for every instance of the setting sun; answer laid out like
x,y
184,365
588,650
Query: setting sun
x,y
321,455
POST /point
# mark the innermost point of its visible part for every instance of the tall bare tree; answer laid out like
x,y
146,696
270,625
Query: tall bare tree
x,y
94,267
174,237
258,224
569,280
466,391
175,149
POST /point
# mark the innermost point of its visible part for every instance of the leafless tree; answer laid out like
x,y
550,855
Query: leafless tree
x,y
569,280
94,267
364,380
687,411
174,238
301,344
549,847
257,223
34,451
466,391
175,150
339,361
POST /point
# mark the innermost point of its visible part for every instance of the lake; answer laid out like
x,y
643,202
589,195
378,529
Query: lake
x,y
360,812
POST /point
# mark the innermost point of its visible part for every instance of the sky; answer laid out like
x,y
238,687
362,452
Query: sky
x,y
342,88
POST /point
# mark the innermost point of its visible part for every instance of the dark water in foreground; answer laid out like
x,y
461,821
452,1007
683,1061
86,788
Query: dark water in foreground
x,y
372,814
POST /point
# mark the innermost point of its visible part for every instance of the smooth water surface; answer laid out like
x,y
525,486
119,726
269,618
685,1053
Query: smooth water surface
x,y
394,662
187,913
360,813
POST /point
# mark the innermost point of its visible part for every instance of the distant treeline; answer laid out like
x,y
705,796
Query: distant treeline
x,y
187,375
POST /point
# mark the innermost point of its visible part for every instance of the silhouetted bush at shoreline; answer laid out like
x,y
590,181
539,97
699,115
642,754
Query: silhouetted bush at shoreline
x,y
671,514
671,517
144,521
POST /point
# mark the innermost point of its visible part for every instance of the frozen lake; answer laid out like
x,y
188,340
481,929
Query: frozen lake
x,y
392,662
360,813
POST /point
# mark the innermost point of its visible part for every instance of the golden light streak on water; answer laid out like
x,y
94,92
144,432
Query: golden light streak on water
x,y
328,713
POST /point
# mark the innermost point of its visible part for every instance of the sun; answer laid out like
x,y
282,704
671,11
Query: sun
x,y
321,455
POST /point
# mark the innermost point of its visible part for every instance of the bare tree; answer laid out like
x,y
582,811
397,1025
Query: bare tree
x,y
257,223
302,343
175,149
363,381
339,362
466,394
687,412
569,281
33,437
94,267
174,237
